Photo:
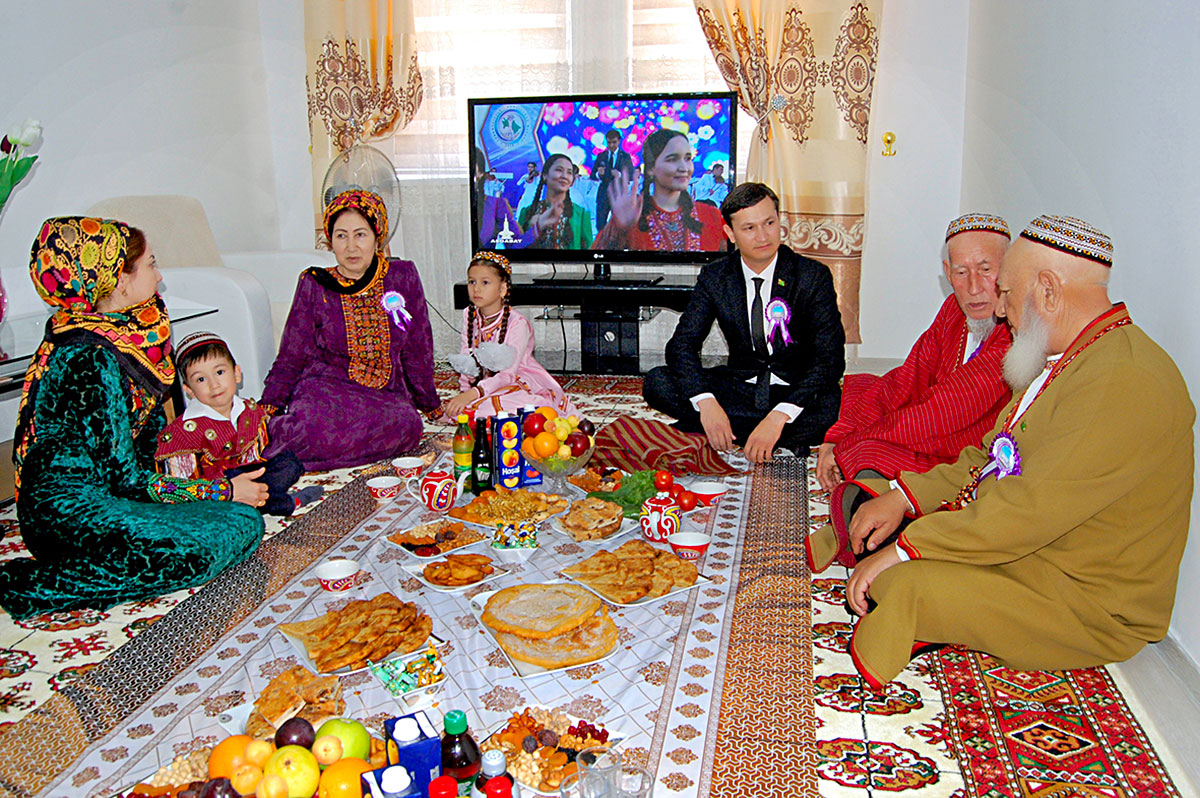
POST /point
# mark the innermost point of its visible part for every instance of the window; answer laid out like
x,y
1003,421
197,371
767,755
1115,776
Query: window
x,y
477,48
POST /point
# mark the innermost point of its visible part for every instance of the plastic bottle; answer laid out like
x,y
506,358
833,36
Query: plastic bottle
x,y
481,459
443,787
460,754
500,788
495,766
463,444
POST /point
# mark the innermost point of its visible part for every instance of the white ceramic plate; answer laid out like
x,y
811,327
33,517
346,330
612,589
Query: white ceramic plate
x,y
615,736
455,550
418,571
627,525
523,670
306,661
700,580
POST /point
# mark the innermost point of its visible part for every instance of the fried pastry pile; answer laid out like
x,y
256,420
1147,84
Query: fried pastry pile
x,y
459,570
634,571
503,506
295,692
361,632
592,519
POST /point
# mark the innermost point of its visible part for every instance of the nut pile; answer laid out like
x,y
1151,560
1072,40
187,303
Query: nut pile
x,y
541,745
184,769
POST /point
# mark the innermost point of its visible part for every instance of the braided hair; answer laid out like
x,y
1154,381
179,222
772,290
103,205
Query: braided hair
x,y
489,259
655,143
566,241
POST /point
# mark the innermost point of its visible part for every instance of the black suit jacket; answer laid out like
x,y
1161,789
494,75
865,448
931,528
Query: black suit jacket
x,y
811,364
621,163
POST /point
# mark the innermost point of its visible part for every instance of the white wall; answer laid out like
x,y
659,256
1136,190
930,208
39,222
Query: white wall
x,y
1095,115
141,97
919,95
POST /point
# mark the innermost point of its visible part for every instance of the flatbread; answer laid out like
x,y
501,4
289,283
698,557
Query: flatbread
x,y
539,611
590,641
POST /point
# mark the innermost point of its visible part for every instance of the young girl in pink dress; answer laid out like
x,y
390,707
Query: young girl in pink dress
x,y
496,364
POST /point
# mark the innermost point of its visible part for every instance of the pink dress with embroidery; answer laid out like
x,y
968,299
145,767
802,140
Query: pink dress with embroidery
x,y
525,382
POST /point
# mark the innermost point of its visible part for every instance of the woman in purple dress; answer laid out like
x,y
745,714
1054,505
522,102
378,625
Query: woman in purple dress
x,y
355,362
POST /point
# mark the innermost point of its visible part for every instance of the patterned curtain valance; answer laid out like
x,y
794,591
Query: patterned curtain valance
x,y
363,81
807,68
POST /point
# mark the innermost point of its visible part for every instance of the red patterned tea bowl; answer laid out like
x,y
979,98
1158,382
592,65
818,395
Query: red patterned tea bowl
x,y
337,575
384,488
707,493
689,545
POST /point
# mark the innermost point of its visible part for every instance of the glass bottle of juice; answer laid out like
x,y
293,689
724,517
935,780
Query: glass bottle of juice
x,y
460,754
463,444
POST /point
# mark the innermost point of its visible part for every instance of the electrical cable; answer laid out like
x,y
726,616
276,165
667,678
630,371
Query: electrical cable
x,y
563,326
429,305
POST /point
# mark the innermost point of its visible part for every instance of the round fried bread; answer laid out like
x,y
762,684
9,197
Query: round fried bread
x,y
590,519
540,611
586,643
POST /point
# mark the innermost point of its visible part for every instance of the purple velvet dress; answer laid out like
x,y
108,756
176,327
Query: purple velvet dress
x,y
334,419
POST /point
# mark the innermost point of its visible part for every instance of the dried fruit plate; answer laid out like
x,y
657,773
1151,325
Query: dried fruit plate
x,y
520,767
524,670
440,549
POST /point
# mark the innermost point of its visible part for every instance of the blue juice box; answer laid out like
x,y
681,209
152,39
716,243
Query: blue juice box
x,y
506,442
419,748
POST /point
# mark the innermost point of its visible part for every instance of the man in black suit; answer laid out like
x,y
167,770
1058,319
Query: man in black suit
x,y
779,315
608,165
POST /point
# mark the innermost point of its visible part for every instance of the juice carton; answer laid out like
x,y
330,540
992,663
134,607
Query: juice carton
x,y
507,460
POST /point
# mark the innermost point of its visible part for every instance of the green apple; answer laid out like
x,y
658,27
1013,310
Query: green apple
x,y
356,740
299,769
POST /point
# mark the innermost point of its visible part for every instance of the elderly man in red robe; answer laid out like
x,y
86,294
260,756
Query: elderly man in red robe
x,y
949,390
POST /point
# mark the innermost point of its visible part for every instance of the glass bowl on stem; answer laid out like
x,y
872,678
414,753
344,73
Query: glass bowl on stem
x,y
555,470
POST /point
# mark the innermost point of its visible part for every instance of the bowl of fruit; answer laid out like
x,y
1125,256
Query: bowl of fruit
x,y
557,446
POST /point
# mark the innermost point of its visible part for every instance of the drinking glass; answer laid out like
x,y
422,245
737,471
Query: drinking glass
x,y
630,781
603,762
584,784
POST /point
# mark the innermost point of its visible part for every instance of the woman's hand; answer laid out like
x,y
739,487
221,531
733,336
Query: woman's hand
x,y
459,403
624,201
828,473
247,491
548,218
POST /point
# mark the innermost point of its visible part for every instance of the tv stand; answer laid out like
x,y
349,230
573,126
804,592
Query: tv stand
x,y
609,310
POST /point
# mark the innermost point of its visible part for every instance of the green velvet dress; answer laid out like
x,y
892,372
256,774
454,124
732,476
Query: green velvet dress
x,y
103,527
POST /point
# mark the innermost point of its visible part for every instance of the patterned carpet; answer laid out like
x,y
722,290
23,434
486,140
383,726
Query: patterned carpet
x,y
954,724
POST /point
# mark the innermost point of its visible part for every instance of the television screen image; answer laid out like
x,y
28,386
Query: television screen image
x,y
622,177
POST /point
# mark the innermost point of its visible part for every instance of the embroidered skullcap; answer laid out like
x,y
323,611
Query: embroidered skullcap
x,y
75,261
977,221
493,257
197,339
1071,235
369,204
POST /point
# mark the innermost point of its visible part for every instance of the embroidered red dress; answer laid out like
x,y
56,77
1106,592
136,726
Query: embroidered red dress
x,y
667,233
928,409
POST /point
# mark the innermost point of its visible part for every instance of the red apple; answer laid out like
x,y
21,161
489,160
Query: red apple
x,y
534,423
578,442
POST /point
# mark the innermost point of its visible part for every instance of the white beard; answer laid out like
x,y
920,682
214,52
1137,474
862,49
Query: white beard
x,y
981,328
1027,357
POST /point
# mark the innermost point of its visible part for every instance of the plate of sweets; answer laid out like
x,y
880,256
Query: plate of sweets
x,y
435,538
542,744
456,572
593,520
503,506
597,479
547,627
349,639
635,573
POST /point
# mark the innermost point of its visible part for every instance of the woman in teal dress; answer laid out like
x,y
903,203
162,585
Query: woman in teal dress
x,y
102,525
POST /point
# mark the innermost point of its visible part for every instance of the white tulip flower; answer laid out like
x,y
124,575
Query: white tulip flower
x,y
27,134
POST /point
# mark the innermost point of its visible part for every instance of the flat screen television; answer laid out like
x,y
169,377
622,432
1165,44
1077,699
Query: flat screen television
x,y
563,178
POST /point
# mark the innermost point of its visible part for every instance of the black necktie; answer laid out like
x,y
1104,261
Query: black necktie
x,y
757,335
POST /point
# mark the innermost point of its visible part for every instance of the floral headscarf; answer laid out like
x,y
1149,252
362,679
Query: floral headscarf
x,y
75,263
368,334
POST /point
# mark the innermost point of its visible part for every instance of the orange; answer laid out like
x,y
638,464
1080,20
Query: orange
x,y
545,444
528,448
548,411
227,756
341,779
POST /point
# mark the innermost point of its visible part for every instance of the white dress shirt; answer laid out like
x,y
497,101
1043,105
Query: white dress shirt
x,y
767,276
